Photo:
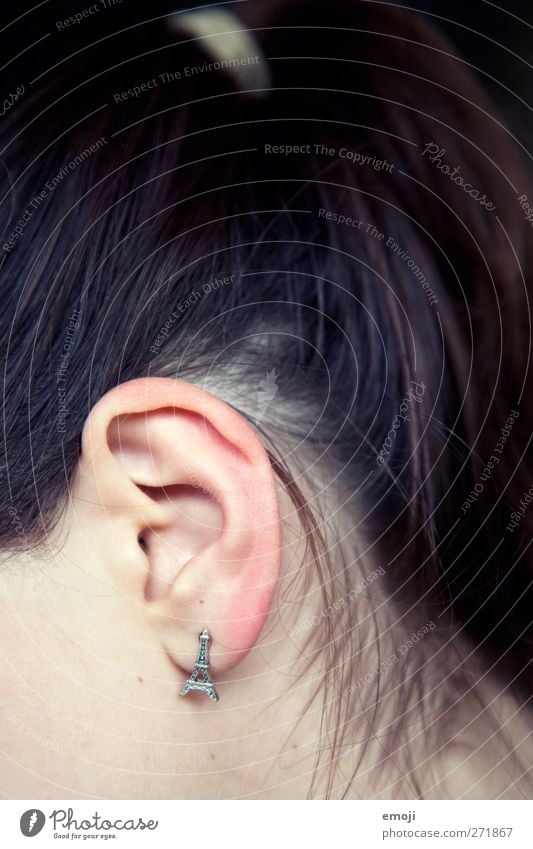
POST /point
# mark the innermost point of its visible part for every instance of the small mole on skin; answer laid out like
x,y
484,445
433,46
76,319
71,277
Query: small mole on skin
x,y
211,755
201,601
140,679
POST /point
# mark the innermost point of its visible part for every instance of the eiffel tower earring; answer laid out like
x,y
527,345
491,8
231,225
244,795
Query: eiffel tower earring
x,y
201,670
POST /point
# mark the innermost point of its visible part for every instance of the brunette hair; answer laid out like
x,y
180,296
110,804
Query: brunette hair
x,y
355,231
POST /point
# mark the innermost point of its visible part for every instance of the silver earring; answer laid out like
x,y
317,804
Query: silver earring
x,y
201,670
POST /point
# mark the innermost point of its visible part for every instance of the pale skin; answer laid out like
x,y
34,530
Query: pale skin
x,y
175,522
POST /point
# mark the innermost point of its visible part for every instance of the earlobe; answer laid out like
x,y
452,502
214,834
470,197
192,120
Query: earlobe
x,y
198,491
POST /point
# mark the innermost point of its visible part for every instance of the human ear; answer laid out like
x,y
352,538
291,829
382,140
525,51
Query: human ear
x,y
179,498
